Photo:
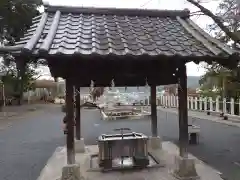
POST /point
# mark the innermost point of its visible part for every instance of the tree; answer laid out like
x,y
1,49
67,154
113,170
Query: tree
x,y
97,92
214,81
11,80
226,30
15,18
228,14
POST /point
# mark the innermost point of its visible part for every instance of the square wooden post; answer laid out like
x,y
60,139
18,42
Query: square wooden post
x,y
154,112
185,167
154,141
70,122
78,113
183,111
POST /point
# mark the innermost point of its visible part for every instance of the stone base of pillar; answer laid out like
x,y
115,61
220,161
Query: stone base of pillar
x,y
185,169
155,142
71,172
79,146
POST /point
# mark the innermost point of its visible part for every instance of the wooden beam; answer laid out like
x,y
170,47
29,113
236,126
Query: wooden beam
x,y
154,111
70,122
123,81
183,111
78,113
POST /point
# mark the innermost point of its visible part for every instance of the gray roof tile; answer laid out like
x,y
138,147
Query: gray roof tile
x,y
86,31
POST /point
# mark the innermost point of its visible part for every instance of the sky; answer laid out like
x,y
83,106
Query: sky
x,y
202,21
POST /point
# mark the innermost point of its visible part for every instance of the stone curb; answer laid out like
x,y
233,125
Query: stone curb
x,y
50,161
173,149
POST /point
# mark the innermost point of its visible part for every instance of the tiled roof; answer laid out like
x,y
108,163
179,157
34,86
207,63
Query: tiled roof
x,y
87,31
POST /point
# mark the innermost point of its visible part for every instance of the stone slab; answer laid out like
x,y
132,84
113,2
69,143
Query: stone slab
x,y
204,171
155,142
185,169
71,172
53,169
79,146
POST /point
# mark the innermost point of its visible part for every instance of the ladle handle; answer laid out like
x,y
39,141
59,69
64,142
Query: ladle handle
x,y
122,129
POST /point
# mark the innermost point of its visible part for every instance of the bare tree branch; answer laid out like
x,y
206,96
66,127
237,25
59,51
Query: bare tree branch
x,y
217,20
197,14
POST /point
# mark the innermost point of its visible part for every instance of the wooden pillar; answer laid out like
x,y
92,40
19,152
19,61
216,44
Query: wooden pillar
x,y
183,111
153,111
70,122
78,113
21,69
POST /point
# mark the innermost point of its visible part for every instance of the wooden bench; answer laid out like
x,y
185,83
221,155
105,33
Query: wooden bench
x,y
193,134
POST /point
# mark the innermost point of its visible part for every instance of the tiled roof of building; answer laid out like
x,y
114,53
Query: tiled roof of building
x,y
87,31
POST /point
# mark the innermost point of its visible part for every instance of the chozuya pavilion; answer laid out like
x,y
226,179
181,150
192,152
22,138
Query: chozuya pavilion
x,y
131,46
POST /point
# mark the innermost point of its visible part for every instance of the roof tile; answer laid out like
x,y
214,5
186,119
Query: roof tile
x,y
102,32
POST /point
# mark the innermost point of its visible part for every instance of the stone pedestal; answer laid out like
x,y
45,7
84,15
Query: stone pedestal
x,y
185,169
79,146
71,172
155,142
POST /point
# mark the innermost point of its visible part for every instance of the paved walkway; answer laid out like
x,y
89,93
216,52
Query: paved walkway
x,y
204,116
13,113
29,141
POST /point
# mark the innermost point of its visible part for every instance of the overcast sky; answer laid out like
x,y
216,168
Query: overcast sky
x,y
192,69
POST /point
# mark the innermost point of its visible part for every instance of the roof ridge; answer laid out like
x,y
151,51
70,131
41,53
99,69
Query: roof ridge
x,y
198,36
118,11
217,42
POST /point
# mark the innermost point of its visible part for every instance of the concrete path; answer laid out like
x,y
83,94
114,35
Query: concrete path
x,y
10,114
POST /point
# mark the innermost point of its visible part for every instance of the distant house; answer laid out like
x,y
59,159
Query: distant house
x,y
172,90
44,88
193,92
45,84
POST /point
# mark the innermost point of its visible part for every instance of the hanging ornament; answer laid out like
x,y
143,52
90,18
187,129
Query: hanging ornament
x,y
76,92
125,89
112,83
179,86
138,88
146,85
91,86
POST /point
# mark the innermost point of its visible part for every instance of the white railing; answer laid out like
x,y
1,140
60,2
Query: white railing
x,y
204,104
207,104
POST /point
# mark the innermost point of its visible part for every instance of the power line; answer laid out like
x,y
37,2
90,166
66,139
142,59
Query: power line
x,y
146,3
